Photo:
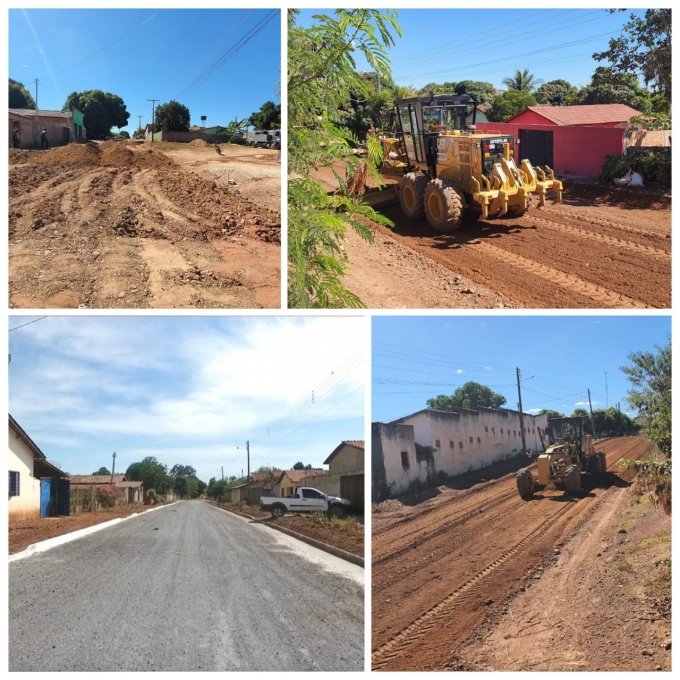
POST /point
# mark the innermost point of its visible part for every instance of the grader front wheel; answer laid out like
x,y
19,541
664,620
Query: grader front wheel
x,y
525,484
443,206
572,480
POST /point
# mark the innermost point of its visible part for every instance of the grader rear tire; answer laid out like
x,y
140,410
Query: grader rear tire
x,y
411,194
572,480
443,206
525,484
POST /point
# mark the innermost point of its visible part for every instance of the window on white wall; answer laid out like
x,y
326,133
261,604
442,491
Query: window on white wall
x,y
405,463
13,483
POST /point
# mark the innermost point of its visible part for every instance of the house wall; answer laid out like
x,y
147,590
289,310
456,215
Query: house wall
x,y
59,131
390,476
327,482
348,460
577,149
27,504
459,442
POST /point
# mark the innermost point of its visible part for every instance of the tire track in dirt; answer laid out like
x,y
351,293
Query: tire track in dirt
x,y
430,619
446,608
631,225
602,297
603,238
405,539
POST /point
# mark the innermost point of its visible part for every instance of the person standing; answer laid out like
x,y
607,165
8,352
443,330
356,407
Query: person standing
x,y
43,140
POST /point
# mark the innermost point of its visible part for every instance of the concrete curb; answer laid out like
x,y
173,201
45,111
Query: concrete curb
x,y
338,552
53,542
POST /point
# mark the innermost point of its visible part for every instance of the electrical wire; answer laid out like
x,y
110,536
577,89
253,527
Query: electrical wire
x,y
28,323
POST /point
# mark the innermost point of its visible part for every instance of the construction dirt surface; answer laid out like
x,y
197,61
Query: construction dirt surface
x,y
603,247
478,579
116,224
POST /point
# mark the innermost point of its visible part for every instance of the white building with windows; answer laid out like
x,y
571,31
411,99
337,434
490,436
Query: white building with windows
x,y
416,448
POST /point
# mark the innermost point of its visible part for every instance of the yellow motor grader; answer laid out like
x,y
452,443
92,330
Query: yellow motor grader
x,y
568,454
447,166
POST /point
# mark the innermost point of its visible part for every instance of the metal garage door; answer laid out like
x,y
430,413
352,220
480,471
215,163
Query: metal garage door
x,y
352,488
537,146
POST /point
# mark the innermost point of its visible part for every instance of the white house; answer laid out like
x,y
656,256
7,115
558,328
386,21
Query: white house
x,y
36,487
417,447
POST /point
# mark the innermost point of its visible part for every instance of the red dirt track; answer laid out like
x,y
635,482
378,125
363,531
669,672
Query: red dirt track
x,y
440,570
600,248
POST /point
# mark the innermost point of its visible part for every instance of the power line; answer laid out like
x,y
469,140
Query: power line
x,y
28,323
217,65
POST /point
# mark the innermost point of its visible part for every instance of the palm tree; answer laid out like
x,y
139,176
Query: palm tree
x,y
522,81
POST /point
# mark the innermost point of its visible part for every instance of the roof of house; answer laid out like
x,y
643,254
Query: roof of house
x,y
353,443
458,411
41,463
298,475
129,485
97,479
44,113
260,476
583,114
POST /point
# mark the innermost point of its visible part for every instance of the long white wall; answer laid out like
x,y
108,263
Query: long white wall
x,y
459,442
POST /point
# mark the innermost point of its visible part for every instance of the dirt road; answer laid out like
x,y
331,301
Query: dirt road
x,y
440,571
123,225
600,248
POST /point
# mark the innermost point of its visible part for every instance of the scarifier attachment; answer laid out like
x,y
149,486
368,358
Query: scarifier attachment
x,y
541,180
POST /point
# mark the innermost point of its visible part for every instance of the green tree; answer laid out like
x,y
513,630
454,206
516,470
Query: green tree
x,y
481,91
550,413
19,96
644,48
236,129
153,474
102,471
522,81
469,395
650,376
437,88
509,104
556,93
182,471
172,117
101,111
301,466
608,87
268,117
321,77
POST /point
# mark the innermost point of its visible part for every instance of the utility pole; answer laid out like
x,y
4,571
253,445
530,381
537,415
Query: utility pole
x,y
139,125
248,454
223,473
153,116
36,98
521,414
113,466
592,420
606,389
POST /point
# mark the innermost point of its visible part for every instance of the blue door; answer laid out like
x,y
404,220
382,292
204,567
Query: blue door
x,y
45,497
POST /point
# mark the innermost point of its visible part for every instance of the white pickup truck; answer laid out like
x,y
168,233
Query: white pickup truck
x,y
305,499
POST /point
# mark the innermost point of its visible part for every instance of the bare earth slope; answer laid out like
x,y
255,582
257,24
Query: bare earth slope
x,y
121,225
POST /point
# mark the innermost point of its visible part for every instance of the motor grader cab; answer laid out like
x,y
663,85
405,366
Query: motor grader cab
x,y
449,166
568,453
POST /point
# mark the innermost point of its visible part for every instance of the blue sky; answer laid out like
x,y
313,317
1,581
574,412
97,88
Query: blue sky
x,y
450,45
216,62
415,358
187,390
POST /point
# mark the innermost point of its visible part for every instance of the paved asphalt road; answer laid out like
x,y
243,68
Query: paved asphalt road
x,y
187,587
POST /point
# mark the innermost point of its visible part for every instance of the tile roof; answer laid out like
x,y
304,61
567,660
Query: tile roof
x,y
42,113
584,114
298,475
96,479
129,485
354,443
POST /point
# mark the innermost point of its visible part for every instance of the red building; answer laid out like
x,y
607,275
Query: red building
x,y
573,140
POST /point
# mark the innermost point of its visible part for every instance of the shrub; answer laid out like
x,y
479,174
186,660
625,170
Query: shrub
x,y
653,164
152,497
107,495
654,477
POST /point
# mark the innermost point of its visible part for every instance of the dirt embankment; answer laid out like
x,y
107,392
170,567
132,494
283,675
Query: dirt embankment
x,y
600,248
122,225
445,572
